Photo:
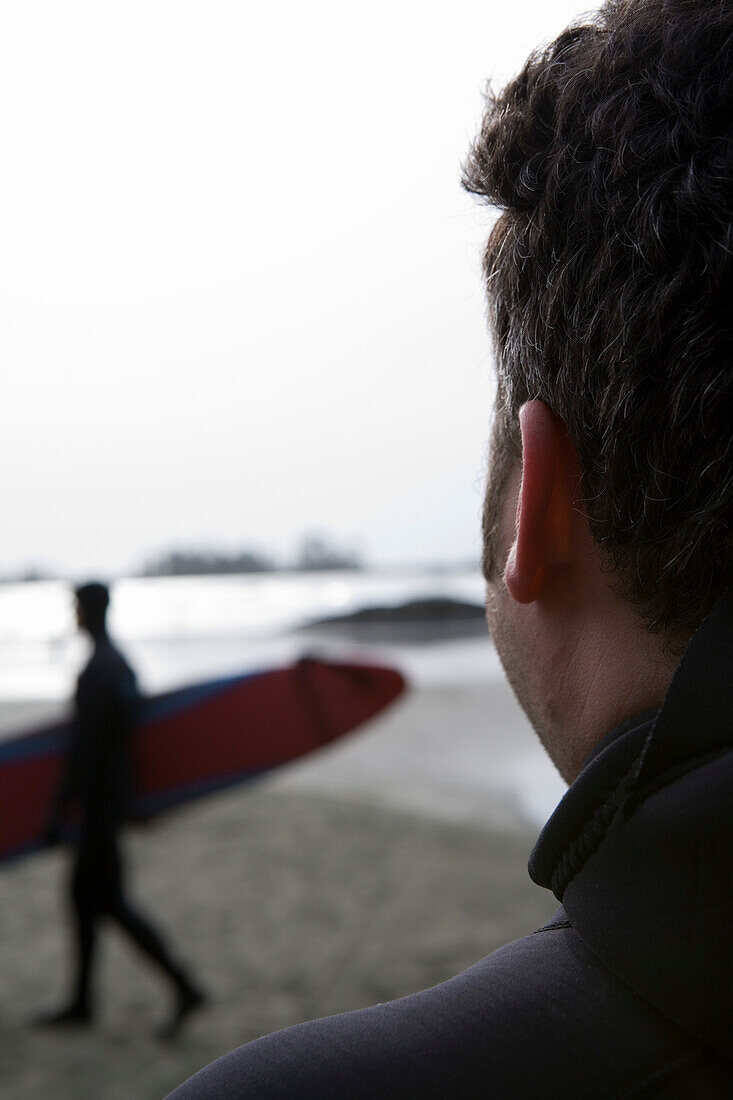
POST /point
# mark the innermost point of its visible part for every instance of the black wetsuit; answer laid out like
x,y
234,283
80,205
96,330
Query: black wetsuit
x,y
626,992
98,780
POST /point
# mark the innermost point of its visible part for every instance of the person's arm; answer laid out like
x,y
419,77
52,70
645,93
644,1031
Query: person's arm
x,y
83,743
67,789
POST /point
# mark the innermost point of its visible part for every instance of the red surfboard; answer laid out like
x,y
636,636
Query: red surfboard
x,y
199,739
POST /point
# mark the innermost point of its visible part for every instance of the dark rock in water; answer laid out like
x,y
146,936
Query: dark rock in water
x,y
422,611
435,619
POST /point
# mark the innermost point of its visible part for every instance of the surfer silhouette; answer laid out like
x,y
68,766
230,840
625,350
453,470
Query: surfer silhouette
x,y
97,780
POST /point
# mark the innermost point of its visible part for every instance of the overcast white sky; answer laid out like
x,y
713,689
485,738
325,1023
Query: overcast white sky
x,y
240,284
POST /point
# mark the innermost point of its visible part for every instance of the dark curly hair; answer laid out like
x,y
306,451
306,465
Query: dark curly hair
x,y
608,276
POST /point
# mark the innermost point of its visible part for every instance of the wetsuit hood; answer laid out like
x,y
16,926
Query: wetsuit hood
x,y
639,849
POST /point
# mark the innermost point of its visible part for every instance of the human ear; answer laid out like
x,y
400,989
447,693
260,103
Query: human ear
x,y
550,469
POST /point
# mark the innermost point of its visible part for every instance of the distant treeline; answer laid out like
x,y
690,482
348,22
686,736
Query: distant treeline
x,y
314,553
25,576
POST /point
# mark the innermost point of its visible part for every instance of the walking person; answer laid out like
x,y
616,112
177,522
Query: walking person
x,y
97,779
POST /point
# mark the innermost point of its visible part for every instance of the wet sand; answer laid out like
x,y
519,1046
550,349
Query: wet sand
x,y
331,886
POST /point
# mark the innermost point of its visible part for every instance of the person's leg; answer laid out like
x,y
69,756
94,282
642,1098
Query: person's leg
x,y
84,913
84,916
152,944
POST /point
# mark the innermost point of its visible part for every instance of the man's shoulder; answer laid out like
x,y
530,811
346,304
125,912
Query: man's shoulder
x,y
540,1016
108,668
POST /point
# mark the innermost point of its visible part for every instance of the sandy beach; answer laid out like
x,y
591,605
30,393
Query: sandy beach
x,y
353,877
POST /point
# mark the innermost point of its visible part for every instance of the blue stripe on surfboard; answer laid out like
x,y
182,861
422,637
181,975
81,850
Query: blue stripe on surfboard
x,y
182,698
41,744
23,850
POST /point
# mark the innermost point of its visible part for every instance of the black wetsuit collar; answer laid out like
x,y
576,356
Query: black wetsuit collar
x,y
692,723
602,772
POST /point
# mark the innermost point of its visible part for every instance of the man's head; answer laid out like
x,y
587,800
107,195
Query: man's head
x,y
92,601
609,285
609,282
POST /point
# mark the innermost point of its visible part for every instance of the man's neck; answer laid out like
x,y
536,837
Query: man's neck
x,y
615,670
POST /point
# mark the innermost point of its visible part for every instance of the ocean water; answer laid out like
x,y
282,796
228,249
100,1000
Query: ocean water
x,y
179,629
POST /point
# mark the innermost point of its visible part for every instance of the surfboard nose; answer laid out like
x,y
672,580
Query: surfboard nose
x,y
341,695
